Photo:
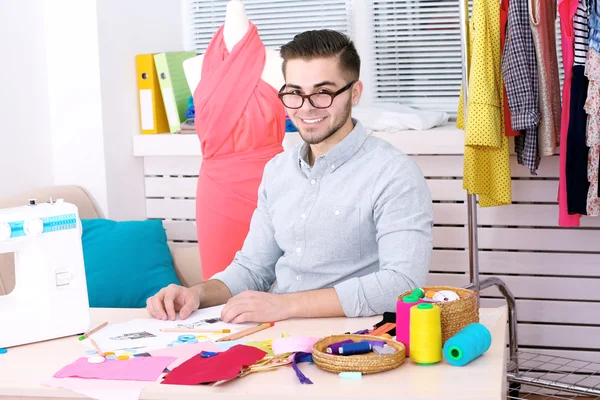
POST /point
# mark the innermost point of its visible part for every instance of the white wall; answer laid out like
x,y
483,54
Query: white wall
x,y
97,68
25,143
71,104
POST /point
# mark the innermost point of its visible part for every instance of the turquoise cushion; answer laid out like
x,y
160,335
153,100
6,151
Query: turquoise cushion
x,y
125,261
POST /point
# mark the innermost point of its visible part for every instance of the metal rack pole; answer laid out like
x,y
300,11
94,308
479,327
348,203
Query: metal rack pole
x,y
471,198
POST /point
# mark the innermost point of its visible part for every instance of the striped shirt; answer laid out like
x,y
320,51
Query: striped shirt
x,y
581,30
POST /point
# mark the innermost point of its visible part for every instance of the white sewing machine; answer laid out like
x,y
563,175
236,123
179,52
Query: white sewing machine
x,y
50,297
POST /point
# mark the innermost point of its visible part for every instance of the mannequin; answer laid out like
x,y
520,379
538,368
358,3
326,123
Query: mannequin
x,y
240,122
235,27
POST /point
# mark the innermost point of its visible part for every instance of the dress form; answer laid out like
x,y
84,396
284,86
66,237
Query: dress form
x,y
235,27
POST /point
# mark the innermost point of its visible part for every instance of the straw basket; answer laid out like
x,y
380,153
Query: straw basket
x,y
369,363
455,314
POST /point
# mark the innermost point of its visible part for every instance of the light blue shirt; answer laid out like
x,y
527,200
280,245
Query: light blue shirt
x,y
360,220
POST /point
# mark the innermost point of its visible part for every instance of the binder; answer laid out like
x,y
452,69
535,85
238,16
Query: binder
x,y
173,85
153,117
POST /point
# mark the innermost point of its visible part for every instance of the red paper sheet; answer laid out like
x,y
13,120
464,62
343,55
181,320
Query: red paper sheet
x,y
225,365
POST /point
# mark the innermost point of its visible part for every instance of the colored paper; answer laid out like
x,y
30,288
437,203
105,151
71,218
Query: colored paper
x,y
224,346
293,344
224,366
184,352
264,345
100,389
132,369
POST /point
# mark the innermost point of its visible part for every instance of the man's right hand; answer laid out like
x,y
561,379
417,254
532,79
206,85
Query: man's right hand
x,y
171,300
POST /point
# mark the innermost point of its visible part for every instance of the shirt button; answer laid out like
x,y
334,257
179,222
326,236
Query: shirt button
x,y
313,181
333,167
337,212
303,216
298,250
298,278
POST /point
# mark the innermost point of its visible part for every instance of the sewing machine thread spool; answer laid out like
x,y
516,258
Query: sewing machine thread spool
x,y
349,349
403,320
418,293
334,348
425,334
468,344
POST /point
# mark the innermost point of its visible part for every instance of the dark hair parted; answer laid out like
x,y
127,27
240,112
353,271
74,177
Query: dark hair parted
x,y
324,43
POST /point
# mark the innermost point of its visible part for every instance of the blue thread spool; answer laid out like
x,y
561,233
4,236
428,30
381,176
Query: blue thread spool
x,y
468,344
349,349
334,348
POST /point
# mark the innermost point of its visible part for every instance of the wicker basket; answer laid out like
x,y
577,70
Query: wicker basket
x,y
455,314
369,363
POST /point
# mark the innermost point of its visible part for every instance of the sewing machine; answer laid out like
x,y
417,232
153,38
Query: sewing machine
x,y
50,297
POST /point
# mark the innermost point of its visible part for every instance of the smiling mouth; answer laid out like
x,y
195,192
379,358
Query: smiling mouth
x,y
312,121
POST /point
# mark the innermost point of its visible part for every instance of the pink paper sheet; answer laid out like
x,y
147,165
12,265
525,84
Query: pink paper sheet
x,y
133,369
100,389
184,352
293,344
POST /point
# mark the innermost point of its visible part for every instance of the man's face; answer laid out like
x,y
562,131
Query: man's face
x,y
318,75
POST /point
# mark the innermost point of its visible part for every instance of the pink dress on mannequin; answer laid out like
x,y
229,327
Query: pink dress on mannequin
x,y
241,125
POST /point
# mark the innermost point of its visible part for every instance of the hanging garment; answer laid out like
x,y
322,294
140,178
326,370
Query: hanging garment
x,y
577,150
566,10
542,17
581,32
519,70
241,124
486,158
508,130
592,108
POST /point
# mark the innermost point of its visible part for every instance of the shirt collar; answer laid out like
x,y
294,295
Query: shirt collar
x,y
341,152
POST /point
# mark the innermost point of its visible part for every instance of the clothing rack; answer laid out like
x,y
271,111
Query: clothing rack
x,y
536,378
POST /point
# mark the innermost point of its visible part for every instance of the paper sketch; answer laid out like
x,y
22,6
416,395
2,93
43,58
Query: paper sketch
x,y
201,323
133,336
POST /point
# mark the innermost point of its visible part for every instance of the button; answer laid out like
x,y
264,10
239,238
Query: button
x,y
337,212
298,250
313,181
333,166
95,360
298,278
303,216
63,278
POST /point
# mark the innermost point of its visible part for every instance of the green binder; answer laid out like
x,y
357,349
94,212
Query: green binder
x,y
173,85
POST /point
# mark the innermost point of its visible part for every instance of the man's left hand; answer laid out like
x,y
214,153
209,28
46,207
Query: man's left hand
x,y
251,306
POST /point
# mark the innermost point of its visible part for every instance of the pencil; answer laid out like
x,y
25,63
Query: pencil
x,y
196,330
96,329
93,342
245,332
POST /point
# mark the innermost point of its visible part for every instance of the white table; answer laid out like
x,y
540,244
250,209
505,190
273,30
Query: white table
x,y
24,367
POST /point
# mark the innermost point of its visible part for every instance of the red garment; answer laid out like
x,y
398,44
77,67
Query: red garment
x,y
508,131
566,10
241,125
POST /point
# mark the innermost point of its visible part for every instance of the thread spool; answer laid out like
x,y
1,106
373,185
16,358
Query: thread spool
x,y
468,344
425,334
334,348
349,349
403,321
418,293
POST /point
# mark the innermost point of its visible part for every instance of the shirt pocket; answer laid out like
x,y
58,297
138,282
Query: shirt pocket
x,y
337,236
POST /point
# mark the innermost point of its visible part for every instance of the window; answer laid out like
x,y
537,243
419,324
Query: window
x,y
277,20
410,49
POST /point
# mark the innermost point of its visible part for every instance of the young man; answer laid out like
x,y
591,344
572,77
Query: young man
x,y
343,222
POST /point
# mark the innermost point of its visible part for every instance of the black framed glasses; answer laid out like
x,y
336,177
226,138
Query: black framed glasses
x,y
317,100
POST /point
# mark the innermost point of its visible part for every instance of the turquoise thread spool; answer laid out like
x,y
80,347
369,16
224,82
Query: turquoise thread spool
x,y
468,344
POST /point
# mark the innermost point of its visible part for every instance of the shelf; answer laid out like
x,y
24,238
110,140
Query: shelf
x,y
445,139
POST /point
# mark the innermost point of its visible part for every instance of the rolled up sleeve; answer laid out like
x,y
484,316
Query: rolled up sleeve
x,y
403,216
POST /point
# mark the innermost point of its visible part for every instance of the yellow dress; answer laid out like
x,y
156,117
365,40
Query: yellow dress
x,y
486,158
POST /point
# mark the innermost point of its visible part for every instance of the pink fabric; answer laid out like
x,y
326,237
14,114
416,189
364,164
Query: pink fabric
x,y
132,369
241,124
566,10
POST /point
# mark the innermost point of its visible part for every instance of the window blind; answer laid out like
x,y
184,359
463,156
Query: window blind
x,y
417,54
278,21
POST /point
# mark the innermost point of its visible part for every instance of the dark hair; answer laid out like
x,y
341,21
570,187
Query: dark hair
x,y
323,43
